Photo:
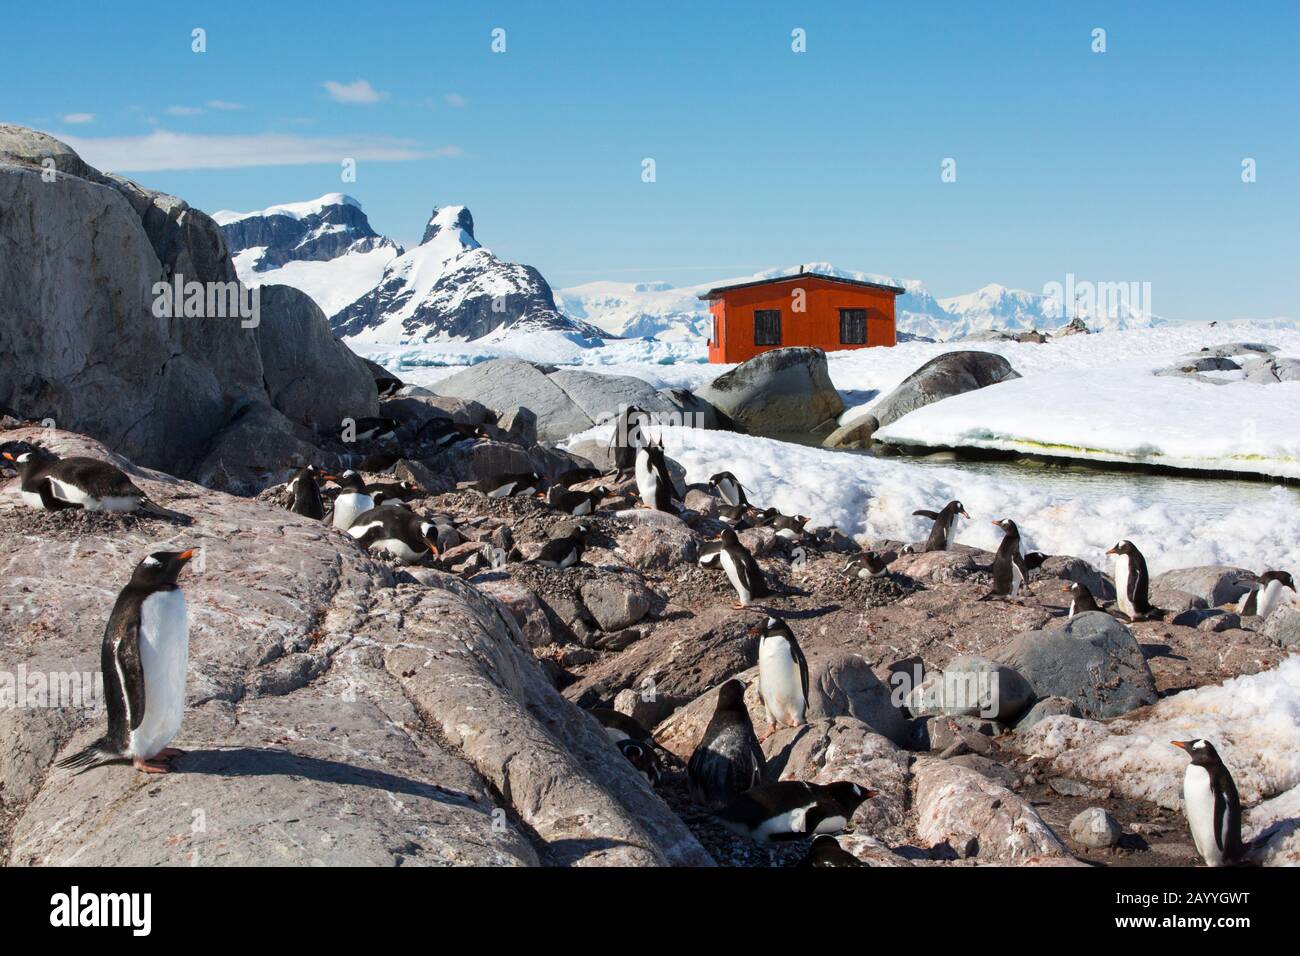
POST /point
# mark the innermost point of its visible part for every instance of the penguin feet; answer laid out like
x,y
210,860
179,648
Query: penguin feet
x,y
771,729
738,606
150,766
168,753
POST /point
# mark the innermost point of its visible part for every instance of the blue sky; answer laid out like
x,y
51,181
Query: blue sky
x,y
1115,166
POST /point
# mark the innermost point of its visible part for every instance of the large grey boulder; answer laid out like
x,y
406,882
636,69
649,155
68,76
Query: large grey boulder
x,y
844,685
973,686
1215,584
505,382
335,716
1092,659
1283,626
601,397
946,375
310,376
83,345
784,391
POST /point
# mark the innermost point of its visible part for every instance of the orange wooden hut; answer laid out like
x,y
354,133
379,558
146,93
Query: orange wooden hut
x,y
808,308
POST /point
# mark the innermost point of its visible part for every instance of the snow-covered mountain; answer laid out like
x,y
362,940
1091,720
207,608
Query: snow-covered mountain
x,y
324,246
667,312
451,287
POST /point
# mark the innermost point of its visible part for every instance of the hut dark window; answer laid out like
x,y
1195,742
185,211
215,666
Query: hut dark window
x,y
853,326
767,326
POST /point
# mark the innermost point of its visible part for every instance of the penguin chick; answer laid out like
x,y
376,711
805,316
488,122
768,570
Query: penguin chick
x,y
728,760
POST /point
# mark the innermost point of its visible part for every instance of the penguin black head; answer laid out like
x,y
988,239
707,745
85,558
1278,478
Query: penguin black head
x,y
774,626
958,508
849,795
429,532
1078,591
729,538
1123,547
731,695
161,567
1282,577
641,757
1201,751
1007,525
349,481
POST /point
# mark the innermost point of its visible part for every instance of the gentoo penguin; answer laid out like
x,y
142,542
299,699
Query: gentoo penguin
x,y
93,485
397,530
1009,570
869,564
33,487
628,436
563,552
728,760
576,503
729,489
1211,804
742,570
443,433
787,526
379,429
942,533
392,492
643,757
782,676
525,483
792,809
144,655
352,501
576,476
735,515
826,851
1276,587
1081,599
653,483
619,726
304,494
1132,583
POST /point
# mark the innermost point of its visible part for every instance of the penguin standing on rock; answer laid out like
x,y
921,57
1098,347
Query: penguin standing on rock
x,y
93,485
653,482
1276,587
728,760
1081,599
1009,570
1211,804
782,676
729,489
143,658
942,532
742,570
304,494
352,501
398,531
1132,582
793,809
629,435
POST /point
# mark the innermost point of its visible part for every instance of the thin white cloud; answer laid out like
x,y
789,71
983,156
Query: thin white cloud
x,y
224,105
79,118
183,110
358,91
161,150
454,99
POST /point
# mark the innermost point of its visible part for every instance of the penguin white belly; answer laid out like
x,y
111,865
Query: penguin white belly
x,y
583,509
164,654
71,493
1017,578
400,550
1273,595
733,575
1121,585
647,482
792,821
789,534
569,560
1198,805
1071,614
32,500
779,683
730,494
348,506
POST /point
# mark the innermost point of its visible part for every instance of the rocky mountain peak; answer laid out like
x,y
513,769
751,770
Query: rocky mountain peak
x,y
446,218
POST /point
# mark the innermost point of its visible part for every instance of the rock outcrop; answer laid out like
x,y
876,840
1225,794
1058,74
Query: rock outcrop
x,y
85,342
784,391
946,375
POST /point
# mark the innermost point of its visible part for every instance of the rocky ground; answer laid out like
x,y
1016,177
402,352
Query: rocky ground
x,y
343,709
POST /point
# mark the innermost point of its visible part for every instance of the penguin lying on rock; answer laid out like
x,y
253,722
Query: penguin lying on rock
x,y
143,659
563,552
577,503
396,530
1081,599
826,851
86,483
792,809
869,564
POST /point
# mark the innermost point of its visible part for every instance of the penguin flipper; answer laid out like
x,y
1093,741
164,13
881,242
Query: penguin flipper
x,y
148,507
932,515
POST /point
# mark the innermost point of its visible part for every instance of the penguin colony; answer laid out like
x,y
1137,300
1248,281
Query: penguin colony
x,y
145,645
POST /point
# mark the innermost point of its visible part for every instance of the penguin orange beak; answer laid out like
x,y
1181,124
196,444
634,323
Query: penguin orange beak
x,y
186,555
433,546
870,793
9,457
1111,551
1180,744
1064,590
